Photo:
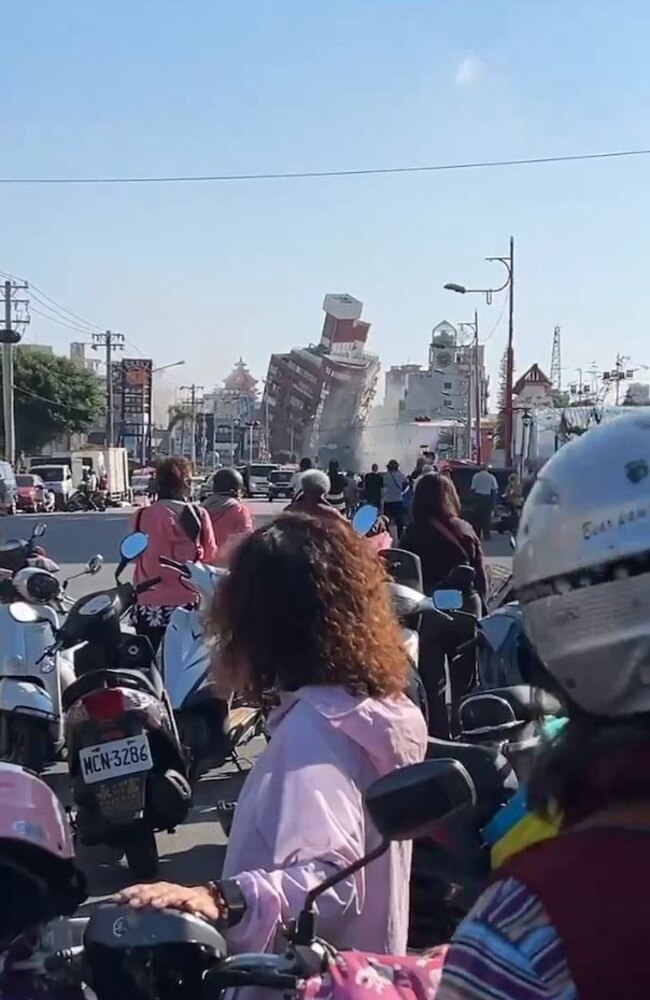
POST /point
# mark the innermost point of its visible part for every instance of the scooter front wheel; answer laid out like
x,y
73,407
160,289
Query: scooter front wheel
x,y
141,851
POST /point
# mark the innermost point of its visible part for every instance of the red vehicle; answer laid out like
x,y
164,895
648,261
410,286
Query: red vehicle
x,y
32,495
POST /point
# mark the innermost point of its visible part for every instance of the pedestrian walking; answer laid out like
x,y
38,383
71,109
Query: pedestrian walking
x,y
395,482
373,487
484,491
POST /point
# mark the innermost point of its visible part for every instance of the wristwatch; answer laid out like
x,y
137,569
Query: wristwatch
x,y
230,899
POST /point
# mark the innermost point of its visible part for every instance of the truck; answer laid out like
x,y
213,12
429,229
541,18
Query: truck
x,y
111,461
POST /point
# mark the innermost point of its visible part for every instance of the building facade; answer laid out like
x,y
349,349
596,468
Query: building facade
x,y
317,398
445,393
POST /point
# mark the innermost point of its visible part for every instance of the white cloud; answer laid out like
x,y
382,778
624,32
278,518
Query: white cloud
x,y
469,71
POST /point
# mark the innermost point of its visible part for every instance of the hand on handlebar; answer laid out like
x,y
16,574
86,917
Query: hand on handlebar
x,y
196,899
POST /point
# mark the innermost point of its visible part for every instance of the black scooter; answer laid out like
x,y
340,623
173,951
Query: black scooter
x,y
129,772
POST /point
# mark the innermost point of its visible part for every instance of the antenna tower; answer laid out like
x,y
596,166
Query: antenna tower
x,y
556,360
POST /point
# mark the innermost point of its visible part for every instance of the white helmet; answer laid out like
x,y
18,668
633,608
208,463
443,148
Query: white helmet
x,y
582,567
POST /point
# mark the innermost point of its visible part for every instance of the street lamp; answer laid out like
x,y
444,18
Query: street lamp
x,y
509,264
163,368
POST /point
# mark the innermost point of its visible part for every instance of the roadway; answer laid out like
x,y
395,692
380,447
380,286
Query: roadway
x,y
195,851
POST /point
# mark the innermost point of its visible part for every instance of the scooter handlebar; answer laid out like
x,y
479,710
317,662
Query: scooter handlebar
x,y
180,567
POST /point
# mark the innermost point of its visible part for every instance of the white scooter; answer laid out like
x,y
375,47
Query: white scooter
x,y
31,681
211,725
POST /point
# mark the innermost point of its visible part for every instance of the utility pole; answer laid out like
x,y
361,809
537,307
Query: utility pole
x,y
109,341
193,390
9,338
510,358
478,395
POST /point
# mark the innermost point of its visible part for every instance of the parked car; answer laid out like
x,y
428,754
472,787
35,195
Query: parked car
x,y
258,474
281,482
58,478
8,489
32,495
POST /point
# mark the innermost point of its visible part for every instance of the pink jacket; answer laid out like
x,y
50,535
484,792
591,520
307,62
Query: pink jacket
x,y
300,816
166,538
231,522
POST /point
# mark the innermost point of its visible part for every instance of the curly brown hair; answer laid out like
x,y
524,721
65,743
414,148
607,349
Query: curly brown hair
x,y
306,602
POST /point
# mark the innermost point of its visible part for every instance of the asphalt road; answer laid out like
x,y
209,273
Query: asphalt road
x,y
195,852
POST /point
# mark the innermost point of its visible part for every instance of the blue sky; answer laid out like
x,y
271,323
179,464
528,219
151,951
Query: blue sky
x,y
209,272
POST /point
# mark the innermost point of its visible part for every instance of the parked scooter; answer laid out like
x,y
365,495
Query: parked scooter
x,y
174,955
128,770
31,683
211,727
83,499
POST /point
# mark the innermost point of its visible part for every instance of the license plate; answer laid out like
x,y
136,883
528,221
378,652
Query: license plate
x,y
115,759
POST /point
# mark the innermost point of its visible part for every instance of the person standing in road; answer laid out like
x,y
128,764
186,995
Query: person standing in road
x,y
373,487
395,482
484,490
338,483
305,465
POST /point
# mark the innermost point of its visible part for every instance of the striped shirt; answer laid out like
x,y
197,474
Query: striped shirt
x,y
506,949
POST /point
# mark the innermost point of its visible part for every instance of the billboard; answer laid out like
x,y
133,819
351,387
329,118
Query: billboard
x,y
135,390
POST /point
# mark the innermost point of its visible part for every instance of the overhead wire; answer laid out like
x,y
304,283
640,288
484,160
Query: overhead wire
x,y
318,174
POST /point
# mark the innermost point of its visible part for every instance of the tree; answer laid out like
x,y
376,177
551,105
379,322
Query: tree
x,y
52,396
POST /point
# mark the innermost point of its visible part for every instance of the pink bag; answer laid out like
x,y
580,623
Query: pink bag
x,y
356,975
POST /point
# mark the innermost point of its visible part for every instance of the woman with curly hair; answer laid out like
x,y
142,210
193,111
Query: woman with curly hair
x,y
305,613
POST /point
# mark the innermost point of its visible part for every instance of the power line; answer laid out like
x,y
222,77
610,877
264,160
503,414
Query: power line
x,y
60,308
61,322
318,174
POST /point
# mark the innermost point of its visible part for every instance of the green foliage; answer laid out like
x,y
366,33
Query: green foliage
x,y
52,396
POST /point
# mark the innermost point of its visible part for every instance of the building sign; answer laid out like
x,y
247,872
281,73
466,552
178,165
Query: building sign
x,y
135,390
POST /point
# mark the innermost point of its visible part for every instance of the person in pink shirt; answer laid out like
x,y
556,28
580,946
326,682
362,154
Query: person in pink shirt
x,y
230,516
325,640
176,529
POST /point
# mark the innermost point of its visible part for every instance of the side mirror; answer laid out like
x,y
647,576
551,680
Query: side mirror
x,y
364,519
95,564
133,545
513,542
39,529
404,803
447,600
24,613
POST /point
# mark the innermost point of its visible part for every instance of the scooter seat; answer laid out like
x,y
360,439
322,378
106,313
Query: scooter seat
x,y
149,682
526,703
492,774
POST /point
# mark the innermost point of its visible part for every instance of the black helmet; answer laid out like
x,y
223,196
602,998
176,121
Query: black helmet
x,y
227,481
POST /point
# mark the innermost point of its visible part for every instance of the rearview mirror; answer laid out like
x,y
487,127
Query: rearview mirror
x,y
95,564
39,529
364,519
404,803
133,545
23,613
447,600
